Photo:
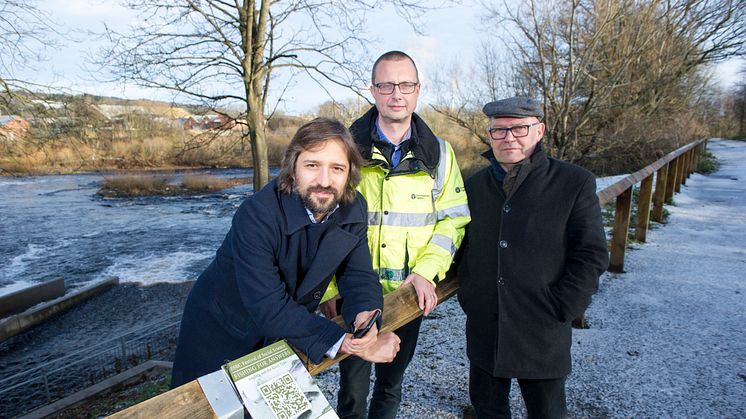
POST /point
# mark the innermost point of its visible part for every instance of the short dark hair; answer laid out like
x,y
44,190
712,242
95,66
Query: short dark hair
x,y
393,56
313,135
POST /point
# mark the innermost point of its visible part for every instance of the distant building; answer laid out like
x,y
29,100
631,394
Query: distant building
x,y
214,121
188,122
206,122
13,127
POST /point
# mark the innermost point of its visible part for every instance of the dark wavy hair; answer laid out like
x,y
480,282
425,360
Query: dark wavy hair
x,y
313,135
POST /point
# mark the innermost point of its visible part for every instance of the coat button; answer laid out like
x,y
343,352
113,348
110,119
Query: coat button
x,y
383,245
503,244
506,209
385,213
501,281
317,295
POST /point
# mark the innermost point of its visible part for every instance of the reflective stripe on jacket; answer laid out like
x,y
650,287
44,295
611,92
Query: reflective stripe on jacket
x,y
415,222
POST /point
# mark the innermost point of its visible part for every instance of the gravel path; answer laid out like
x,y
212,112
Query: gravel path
x,y
666,338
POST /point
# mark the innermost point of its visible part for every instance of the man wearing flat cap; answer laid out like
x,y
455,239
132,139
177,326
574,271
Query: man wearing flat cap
x,y
531,260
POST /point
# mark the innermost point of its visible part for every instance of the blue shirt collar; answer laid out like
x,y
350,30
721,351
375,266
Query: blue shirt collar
x,y
313,219
383,136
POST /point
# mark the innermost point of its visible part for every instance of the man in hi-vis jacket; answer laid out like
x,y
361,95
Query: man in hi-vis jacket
x,y
417,211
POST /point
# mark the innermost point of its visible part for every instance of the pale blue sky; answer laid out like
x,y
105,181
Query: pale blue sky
x,y
451,35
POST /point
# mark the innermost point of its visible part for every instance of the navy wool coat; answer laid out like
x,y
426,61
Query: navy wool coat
x,y
530,265
259,288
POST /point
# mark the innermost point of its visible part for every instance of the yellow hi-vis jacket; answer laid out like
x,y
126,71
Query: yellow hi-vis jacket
x,y
417,212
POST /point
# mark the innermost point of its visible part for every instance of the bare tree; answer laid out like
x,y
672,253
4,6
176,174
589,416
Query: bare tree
x,y
460,93
26,32
739,103
219,51
590,60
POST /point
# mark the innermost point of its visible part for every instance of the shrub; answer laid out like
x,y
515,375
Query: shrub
x,y
707,163
207,183
134,185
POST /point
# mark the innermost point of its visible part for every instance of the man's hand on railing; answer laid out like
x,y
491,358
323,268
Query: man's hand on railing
x,y
384,349
427,298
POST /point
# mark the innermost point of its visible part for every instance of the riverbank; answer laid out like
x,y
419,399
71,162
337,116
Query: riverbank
x,y
6,171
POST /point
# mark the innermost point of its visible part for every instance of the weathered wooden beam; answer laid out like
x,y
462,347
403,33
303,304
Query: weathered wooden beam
x,y
187,401
619,232
643,209
400,307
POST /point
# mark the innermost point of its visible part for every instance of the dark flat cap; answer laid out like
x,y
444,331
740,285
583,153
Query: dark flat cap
x,y
520,107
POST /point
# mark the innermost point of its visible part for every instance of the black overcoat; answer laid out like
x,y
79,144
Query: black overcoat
x,y
530,263
259,288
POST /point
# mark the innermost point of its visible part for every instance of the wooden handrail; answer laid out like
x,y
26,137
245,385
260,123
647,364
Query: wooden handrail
x,y
400,306
610,192
675,167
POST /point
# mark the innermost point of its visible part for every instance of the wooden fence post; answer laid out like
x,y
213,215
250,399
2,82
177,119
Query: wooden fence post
x,y
677,176
671,180
692,161
619,233
660,193
643,208
682,173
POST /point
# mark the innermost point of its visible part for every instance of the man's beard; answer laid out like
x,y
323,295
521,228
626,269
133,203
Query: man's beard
x,y
317,207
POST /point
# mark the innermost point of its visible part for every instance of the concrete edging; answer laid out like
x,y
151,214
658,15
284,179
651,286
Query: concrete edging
x,y
21,322
20,300
139,373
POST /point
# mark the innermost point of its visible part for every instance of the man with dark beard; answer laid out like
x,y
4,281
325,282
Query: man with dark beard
x,y
285,244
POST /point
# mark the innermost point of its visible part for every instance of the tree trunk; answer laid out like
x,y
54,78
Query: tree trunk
x,y
258,140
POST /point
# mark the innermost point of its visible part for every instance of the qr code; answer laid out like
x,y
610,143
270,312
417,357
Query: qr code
x,y
284,398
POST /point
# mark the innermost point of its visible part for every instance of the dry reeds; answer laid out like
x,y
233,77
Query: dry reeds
x,y
163,185
207,183
135,185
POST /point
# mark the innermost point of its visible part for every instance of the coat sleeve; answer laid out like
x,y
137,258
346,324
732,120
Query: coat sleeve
x,y
452,217
255,243
587,256
357,281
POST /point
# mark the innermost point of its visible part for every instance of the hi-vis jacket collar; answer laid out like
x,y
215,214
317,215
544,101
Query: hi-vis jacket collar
x,y
424,150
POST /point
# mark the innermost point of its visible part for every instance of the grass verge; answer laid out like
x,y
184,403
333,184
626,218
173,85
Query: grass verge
x,y
113,402
707,164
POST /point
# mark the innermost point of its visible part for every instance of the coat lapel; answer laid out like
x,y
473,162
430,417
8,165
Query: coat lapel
x,y
333,248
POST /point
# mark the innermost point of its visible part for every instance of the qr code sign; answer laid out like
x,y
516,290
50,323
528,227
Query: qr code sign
x,y
284,398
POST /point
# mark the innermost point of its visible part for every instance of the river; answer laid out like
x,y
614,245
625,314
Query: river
x,y
56,226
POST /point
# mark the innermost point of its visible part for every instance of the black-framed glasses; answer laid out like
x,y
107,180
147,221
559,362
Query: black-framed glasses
x,y
518,131
405,87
